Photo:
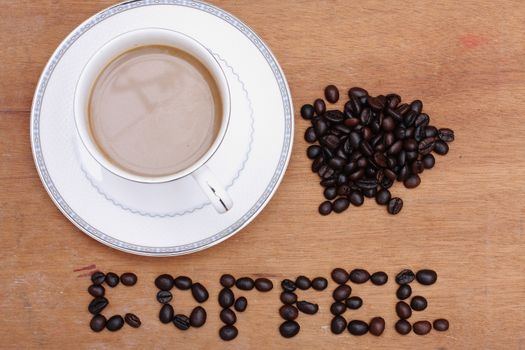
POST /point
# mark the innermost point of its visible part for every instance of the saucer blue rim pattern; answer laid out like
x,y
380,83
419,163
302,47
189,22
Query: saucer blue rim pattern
x,y
173,250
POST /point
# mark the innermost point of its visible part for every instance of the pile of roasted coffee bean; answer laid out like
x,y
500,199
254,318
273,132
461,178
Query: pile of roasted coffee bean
x,y
227,300
197,318
363,149
99,303
417,303
343,301
290,328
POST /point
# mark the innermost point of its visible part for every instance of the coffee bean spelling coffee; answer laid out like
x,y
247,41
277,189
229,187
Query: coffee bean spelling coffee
x,y
357,327
418,303
379,278
288,285
263,284
337,308
422,327
354,303
370,137
228,317
227,280
288,298
288,312
307,307
376,326
228,333
303,282
339,275
128,279
98,278
96,290
226,298
164,282
404,291
403,327
241,304
342,292
97,323
112,279
115,323
320,283
426,277
359,276
198,317
405,276
199,292
289,329
164,296
440,325
245,283
183,282
338,325
166,313
97,305
132,320
182,322
403,310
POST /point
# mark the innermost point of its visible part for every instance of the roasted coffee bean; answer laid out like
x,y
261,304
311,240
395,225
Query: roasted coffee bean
x,y
354,303
303,282
370,192
338,325
182,322
335,116
341,129
325,208
342,179
336,163
389,174
132,320
320,127
228,317
226,298
228,333
379,278
97,305
115,323
440,325
96,290
410,132
263,284
357,92
319,106
365,116
340,205
240,304
307,307
98,278
422,327
393,100
288,285
326,172
97,323
359,276
366,148
403,310
355,139
112,279
362,162
395,148
411,156
426,146
340,276
416,106
375,102
356,198
404,292
337,308
314,151
380,159
400,133
183,282
288,312
320,283
377,326
350,168
410,145
367,133
288,297
245,283
357,175
431,131
128,279
440,147
412,181
198,317
428,161
164,296
408,119
342,292
405,276
417,167
426,277
343,190
422,120
403,108
227,280
446,135
166,313
309,135
307,111
401,158
289,329
199,293
382,197
328,182
403,327
357,327
395,205
404,172
418,303
420,133
164,282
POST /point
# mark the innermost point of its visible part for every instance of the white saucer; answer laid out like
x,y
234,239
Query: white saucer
x,y
173,218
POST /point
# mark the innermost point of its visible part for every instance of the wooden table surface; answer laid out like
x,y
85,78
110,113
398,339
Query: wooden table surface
x,y
465,60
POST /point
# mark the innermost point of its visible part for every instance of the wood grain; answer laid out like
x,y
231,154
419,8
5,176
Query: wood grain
x,y
463,59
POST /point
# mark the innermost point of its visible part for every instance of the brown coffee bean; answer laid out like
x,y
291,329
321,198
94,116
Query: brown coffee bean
x,y
226,298
240,304
128,279
198,317
288,297
263,284
289,329
422,327
342,292
183,282
405,276
359,276
331,93
357,327
245,283
426,277
307,307
395,205
199,293
98,278
379,278
325,208
354,303
319,283
403,310
338,325
96,290
97,323
228,317
418,303
288,312
303,282
132,320
403,327
112,279
376,326
114,323
319,106
441,324
227,280
340,276
337,308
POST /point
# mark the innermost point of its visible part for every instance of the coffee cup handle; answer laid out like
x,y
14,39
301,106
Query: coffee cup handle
x,y
213,189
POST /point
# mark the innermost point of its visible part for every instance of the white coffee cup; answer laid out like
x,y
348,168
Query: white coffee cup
x,y
155,36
